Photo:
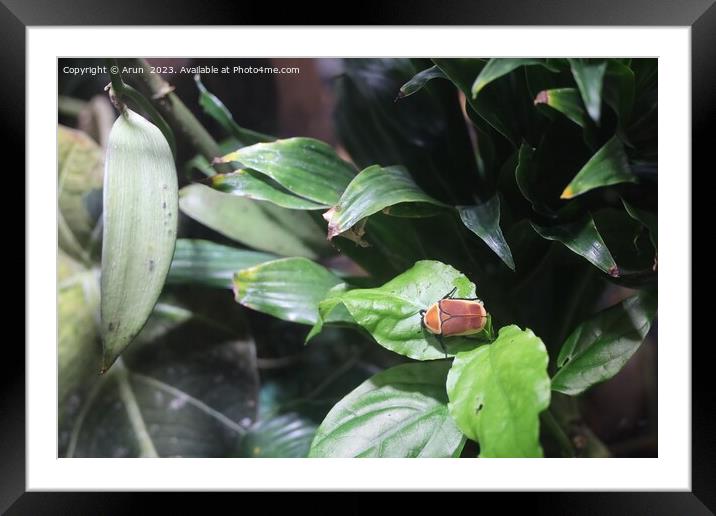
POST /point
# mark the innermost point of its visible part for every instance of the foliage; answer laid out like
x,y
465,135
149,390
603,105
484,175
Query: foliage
x,y
527,183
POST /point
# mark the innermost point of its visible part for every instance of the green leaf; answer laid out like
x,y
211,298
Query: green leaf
x,y
419,80
598,348
306,167
619,89
647,219
139,222
79,349
203,262
527,180
283,436
565,100
493,108
289,289
583,238
216,109
172,399
79,187
496,68
249,222
254,185
497,392
391,313
484,220
331,311
589,75
608,166
400,412
371,191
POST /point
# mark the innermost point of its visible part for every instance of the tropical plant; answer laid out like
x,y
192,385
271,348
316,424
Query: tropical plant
x,y
530,184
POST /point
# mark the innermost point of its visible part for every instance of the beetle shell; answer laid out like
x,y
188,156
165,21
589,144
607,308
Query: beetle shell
x,y
453,317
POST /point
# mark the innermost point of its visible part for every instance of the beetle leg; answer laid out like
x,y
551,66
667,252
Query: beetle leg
x,y
449,294
442,344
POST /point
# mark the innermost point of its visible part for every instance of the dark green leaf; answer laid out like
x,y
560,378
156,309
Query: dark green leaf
x,y
253,185
589,75
599,347
289,289
218,111
371,191
418,81
391,313
400,412
306,167
527,180
492,107
206,263
648,219
497,392
496,68
252,223
484,220
417,132
565,100
619,89
283,436
608,166
582,237
170,398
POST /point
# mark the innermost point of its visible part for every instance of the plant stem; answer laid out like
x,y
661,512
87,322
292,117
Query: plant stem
x,y
180,118
126,394
553,427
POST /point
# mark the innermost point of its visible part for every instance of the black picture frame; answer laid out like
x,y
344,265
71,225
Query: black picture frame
x,y
700,15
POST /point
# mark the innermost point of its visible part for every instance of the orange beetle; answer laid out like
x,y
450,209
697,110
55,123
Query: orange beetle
x,y
451,317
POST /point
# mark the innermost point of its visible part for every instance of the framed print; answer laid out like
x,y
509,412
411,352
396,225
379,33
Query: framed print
x,y
283,264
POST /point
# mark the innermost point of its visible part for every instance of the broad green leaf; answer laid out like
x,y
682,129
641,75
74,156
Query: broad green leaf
x,y
79,192
400,412
496,68
253,185
484,220
583,238
172,399
216,109
497,392
598,348
565,100
419,80
589,76
306,167
648,219
371,191
206,263
527,180
608,166
283,436
139,222
391,313
247,221
79,348
289,288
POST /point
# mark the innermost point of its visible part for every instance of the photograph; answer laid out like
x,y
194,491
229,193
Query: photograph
x,y
431,257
